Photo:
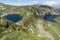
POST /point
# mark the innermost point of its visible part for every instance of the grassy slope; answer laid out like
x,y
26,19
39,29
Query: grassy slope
x,y
29,19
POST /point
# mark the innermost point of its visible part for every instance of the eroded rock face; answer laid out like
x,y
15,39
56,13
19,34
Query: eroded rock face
x,y
1,8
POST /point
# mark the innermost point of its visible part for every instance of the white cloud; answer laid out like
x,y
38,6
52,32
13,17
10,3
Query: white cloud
x,y
35,2
50,3
28,4
25,4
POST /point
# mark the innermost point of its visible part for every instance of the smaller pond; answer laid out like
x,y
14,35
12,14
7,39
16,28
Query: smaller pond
x,y
13,17
50,17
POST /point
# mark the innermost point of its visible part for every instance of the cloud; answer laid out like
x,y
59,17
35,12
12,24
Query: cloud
x,y
28,4
25,4
50,3
35,2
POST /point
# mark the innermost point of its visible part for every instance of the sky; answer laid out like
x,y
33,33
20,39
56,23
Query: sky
x,y
31,2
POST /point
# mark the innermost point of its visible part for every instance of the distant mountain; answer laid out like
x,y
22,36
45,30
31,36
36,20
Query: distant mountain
x,y
26,8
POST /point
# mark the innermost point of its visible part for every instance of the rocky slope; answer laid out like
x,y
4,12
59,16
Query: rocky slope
x,y
32,26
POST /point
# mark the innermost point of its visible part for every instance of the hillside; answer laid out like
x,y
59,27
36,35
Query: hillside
x,y
32,26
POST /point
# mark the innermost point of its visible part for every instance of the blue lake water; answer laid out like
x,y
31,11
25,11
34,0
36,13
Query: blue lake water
x,y
50,17
16,17
13,17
